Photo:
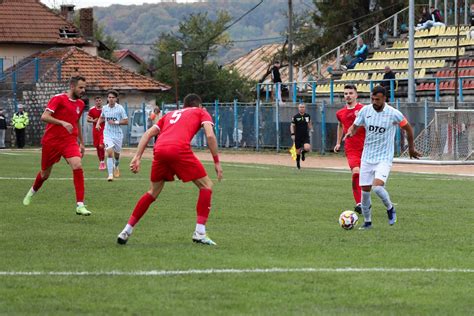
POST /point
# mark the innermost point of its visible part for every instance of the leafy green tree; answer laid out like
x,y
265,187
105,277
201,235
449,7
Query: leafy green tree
x,y
199,38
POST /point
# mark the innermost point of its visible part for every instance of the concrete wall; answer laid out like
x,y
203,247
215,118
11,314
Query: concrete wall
x,y
130,64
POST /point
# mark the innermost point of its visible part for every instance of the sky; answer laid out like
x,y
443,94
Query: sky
x,y
101,3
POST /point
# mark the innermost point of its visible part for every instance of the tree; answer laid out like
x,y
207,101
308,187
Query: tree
x,y
199,38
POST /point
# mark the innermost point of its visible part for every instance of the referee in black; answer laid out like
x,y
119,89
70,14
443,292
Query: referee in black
x,y
300,127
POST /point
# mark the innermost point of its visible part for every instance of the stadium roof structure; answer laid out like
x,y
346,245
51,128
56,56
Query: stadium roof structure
x,y
100,73
30,21
256,65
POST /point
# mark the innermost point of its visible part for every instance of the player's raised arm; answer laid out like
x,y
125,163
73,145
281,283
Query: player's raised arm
x,y
212,145
151,132
410,138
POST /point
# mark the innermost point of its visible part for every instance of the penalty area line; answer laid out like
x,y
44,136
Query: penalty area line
x,y
230,271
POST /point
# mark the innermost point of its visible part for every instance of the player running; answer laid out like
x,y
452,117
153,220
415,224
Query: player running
x,y
97,134
380,121
353,146
114,115
62,132
173,156
300,127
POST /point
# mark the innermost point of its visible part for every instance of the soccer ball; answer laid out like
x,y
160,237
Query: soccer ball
x,y
348,219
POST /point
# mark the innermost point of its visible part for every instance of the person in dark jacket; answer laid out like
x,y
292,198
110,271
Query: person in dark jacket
x,y
3,128
276,78
387,77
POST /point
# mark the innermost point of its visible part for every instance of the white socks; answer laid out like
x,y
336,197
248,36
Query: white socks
x,y
383,195
79,204
129,229
110,166
366,206
201,229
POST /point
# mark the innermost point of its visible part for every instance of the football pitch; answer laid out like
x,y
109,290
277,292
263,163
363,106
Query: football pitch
x,y
279,247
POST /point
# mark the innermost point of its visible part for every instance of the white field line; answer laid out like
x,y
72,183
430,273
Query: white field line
x,y
231,271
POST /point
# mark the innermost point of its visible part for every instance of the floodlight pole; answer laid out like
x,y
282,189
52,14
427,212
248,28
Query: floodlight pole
x,y
177,58
290,47
411,52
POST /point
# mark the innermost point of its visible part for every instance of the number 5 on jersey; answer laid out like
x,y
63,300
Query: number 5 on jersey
x,y
176,116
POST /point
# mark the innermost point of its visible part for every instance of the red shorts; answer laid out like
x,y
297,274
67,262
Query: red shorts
x,y
170,162
98,138
353,157
52,152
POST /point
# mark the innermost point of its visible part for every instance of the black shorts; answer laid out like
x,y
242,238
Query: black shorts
x,y
300,140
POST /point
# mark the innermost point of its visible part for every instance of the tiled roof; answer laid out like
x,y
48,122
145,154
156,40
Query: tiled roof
x,y
256,64
29,21
122,53
100,73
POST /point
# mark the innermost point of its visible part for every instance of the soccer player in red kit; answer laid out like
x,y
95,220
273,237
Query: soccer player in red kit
x,y
353,146
173,156
97,134
60,139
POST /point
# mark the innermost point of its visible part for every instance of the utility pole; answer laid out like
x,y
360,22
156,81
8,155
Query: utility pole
x,y
290,46
178,62
411,52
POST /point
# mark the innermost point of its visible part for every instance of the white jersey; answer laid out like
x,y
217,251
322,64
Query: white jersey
x,y
115,113
380,129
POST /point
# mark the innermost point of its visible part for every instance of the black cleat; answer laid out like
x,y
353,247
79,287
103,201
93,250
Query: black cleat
x,y
302,155
366,226
358,209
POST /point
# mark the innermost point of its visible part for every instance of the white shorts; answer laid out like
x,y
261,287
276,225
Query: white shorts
x,y
115,143
371,171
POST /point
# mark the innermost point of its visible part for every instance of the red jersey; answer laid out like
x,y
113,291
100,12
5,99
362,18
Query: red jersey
x,y
347,117
63,109
95,114
178,128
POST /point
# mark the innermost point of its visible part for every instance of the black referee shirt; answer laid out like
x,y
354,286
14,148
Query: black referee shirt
x,y
301,123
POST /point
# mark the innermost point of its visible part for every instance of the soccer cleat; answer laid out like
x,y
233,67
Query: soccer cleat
x,y
367,225
358,208
202,239
303,155
27,198
122,238
116,172
110,178
81,210
392,216
102,166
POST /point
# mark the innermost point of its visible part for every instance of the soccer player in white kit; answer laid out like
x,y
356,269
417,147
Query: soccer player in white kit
x,y
380,121
114,115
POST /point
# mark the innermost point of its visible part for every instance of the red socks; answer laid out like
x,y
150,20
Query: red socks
x,y
140,209
100,153
38,182
78,177
356,188
203,206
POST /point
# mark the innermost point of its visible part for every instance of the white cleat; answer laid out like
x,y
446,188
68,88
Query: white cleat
x,y
110,178
122,238
202,239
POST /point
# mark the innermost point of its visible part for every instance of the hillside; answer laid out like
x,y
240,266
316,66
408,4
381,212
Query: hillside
x,y
144,23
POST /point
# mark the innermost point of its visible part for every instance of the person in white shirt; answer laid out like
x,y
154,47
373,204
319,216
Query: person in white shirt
x,y
380,121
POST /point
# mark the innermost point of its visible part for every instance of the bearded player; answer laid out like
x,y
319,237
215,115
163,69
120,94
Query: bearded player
x,y
353,146
60,139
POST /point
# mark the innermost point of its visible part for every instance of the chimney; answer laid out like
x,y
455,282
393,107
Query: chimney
x,y
67,12
86,22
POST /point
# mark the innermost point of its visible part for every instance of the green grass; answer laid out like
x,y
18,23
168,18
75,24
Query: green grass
x,y
262,217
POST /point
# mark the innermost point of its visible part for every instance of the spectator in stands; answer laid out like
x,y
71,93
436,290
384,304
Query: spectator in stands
x,y
470,34
3,129
387,77
359,56
435,20
425,16
276,78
